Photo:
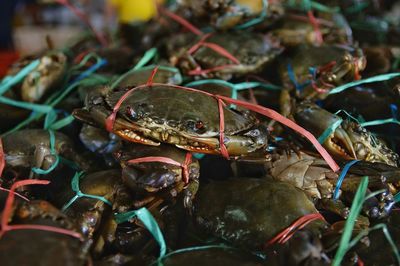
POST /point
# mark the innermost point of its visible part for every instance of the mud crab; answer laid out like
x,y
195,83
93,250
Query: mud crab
x,y
156,113
349,140
151,177
248,53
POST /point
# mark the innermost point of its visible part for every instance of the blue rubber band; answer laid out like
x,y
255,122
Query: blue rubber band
x,y
341,178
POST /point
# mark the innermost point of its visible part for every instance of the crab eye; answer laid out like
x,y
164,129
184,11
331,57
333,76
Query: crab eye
x,y
199,125
130,112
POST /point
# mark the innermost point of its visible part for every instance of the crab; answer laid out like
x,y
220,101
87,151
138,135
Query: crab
x,y
349,140
189,119
249,53
152,177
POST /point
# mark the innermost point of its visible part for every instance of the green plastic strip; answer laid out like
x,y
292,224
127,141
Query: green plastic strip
x,y
348,227
329,131
85,60
257,20
10,81
30,106
183,250
62,122
52,152
79,194
149,222
380,122
147,57
378,78
307,5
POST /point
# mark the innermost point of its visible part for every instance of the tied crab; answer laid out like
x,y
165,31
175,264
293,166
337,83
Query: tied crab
x,y
189,119
349,140
149,169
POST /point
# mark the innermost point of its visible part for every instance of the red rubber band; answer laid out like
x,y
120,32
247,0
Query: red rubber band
x,y
150,80
357,75
315,25
2,158
221,50
180,20
326,67
184,165
298,224
7,212
253,107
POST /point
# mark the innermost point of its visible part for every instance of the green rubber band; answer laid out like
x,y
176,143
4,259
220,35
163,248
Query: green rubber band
x,y
380,122
85,60
62,122
307,5
24,105
52,152
149,222
79,194
183,250
378,78
355,210
10,81
257,20
147,57
329,131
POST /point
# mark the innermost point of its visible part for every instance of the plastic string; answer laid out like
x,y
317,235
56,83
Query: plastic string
x,y
377,78
53,152
147,57
315,25
258,20
183,250
79,194
342,175
180,20
355,210
10,81
149,222
329,131
298,224
184,165
8,209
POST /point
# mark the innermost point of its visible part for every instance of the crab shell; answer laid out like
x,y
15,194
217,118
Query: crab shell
x,y
164,113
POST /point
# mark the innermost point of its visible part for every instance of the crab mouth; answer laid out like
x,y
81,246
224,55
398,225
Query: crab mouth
x,y
182,142
340,144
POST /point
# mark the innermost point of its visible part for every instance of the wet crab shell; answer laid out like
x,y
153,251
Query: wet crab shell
x,y
175,115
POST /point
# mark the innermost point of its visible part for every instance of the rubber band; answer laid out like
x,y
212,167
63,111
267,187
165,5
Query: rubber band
x,y
183,250
394,110
90,70
357,7
180,20
149,82
378,78
8,209
16,194
355,210
257,20
62,122
81,15
184,165
341,177
2,158
147,57
53,152
149,222
329,131
380,122
315,25
306,5
85,59
79,194
10,81
109,123
298,224
396,197
40,108
292,77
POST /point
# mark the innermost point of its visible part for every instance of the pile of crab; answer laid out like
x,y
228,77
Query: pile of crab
x,y
236,133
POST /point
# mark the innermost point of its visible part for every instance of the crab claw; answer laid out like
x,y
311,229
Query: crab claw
x,y
340,144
